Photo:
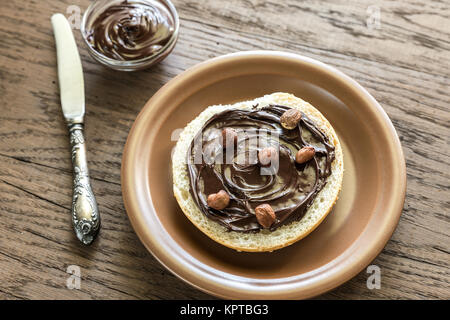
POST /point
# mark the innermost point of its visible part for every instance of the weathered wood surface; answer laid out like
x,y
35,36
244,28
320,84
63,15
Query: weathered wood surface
x,y
404,64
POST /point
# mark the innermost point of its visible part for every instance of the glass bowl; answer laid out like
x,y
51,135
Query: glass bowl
x,y
98,7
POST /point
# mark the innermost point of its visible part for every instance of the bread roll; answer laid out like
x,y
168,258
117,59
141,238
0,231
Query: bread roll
x,y
264,240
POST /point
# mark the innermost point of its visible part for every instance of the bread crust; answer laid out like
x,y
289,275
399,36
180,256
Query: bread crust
x,y
264,240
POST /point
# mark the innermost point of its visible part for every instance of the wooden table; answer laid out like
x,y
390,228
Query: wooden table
x,y
402,58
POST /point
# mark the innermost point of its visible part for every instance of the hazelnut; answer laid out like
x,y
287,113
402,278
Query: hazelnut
x,y
219,200
290,118
229,137
305,154
265,215
267,155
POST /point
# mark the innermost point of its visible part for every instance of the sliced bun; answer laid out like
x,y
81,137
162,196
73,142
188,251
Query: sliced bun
x,y
264,240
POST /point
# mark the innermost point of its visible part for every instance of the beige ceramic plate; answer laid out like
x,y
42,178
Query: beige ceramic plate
x,y
350,237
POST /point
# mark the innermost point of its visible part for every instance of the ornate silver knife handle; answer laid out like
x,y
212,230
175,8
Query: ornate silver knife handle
x,y
85,216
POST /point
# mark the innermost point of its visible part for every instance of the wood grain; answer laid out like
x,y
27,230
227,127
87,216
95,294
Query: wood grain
x,y
404,65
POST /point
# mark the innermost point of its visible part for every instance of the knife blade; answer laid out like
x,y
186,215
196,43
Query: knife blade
x,y
85,215
70,71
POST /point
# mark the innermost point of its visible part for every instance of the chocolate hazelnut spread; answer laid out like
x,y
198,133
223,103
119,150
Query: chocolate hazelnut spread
x,y
290,189
131,30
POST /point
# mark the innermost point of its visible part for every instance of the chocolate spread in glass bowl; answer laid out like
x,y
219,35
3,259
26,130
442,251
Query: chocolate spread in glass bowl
x,y
131,30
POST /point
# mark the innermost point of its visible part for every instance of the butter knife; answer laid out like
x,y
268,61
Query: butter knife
x,y
85,215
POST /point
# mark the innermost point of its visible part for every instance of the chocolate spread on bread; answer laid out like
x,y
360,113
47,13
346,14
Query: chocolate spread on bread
x,y
287,186
131,30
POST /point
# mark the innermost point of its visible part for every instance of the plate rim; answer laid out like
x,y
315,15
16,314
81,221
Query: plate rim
x,y
300,286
